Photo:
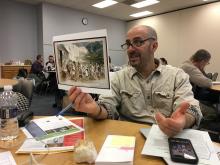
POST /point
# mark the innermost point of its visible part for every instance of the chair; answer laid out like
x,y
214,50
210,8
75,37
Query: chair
x,y
22,73
44,86
214,76
38,81
25,87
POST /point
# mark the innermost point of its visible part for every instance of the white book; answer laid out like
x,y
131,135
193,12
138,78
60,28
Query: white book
x,y
117,150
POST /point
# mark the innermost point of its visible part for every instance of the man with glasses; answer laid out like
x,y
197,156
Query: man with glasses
x,y
142,92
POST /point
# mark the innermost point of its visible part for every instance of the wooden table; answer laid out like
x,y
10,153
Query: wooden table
x,y
215,87
97,132
10,71
4,82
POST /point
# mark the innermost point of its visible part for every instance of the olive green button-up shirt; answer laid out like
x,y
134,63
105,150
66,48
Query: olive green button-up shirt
x,y
134,98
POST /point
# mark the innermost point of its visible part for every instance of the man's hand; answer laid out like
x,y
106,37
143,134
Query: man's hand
x,y
83,102
174,124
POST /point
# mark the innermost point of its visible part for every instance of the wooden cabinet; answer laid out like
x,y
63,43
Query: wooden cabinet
x,y
10,71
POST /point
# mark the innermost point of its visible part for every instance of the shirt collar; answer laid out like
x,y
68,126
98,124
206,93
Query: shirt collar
x,y
133,71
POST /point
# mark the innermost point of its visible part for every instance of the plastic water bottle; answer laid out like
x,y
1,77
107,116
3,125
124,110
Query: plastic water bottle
x,y
8,114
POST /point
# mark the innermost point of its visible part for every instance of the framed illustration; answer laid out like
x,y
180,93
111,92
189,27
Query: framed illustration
x,y
82,61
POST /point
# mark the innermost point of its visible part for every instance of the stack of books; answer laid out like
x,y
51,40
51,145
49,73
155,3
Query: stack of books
x,y
117,150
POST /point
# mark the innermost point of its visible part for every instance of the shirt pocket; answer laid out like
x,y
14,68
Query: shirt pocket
x,y
131,100
163,101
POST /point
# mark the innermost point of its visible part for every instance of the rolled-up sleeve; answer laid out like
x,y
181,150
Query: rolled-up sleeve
x,y
112,101
183,92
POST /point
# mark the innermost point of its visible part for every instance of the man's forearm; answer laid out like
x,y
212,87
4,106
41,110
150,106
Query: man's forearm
x,y
99,113
190,120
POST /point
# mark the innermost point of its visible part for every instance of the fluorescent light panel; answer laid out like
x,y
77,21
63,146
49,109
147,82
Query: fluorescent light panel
x,y
141,14
144,3
105,3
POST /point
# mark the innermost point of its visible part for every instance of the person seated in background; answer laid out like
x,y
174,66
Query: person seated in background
x,y
50,64
50,73
195,68
37,66
142,92
22,73
36,71
163,61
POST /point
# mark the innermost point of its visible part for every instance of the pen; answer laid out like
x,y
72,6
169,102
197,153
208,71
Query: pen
x,y
65,109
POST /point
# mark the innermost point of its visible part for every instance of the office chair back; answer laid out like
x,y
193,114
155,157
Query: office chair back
x,y
25,87
22,73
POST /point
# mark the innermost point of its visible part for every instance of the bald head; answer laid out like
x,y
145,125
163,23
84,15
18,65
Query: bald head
x,y
149,31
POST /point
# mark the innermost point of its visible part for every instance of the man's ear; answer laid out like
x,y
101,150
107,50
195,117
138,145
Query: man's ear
x,y
154,46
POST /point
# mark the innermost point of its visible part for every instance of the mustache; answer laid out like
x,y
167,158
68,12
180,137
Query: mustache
x,y
133,54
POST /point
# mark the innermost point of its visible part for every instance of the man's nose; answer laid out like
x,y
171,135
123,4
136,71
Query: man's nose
x,y
131,48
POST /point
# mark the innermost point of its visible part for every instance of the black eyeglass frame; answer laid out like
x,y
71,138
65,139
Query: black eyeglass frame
x,y
138,43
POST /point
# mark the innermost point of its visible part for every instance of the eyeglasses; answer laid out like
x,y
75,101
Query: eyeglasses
x,y
135,43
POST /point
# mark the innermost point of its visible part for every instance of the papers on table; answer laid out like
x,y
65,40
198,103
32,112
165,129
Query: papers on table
x,y
157,145
217,149
216,83
145,131
6,158
58,144
117,150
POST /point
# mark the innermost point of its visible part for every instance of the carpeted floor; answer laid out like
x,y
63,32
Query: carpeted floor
x,y
42,105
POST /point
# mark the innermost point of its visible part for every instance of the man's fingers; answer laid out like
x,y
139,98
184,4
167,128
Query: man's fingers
x,y
183,107
159,117
79,100
167,125
71,90
168,130
170,124
74,94
181,110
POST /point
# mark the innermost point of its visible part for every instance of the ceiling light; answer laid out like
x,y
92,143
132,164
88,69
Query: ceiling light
x,y
105,3
140,14
144,3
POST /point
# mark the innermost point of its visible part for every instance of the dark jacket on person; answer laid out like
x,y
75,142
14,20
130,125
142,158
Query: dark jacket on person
x,y
36,68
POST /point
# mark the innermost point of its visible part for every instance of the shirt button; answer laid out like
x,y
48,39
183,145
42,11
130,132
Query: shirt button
x,y
148,97
148,81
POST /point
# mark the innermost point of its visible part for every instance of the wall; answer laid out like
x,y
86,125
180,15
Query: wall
x,y
18,31
61,20
183,32
27,30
